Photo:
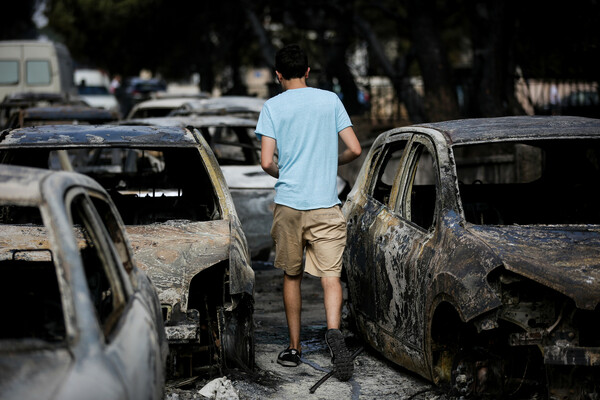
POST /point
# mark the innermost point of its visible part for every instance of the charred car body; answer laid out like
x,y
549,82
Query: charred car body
x,y
473,253
237,149
182,224
66,114
81,320
22,100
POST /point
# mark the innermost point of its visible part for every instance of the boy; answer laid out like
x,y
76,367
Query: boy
x,y
303,123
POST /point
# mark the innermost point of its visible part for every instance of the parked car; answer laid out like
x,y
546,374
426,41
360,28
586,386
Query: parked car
x,y
65,114
19,101
473,254
93,86
239,106
237,150
136,90
182,224
80,320
159,107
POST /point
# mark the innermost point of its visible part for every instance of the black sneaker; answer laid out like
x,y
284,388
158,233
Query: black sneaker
x,y
343,365
289,358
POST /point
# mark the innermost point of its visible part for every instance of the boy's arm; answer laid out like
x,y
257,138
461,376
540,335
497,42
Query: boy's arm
x,y
267,156
353,147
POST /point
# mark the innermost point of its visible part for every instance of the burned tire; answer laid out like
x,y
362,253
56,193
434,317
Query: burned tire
x,y
472,364
237,336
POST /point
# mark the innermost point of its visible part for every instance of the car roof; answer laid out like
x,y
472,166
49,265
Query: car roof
x,y
168,102
481,130
197,121
97,135
68,112
225,104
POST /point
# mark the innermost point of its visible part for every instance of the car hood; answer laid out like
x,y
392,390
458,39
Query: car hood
x,y
253,177
101,100
565,258
36,374
172,253
247,177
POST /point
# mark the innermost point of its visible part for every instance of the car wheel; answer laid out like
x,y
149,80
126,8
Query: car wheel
x,y
237,336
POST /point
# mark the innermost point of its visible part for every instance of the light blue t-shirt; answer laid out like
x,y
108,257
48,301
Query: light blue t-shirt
x,y
305,123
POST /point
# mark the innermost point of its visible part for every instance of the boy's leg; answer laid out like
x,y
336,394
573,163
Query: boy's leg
x,y
326,235
287,235
292,300
333,297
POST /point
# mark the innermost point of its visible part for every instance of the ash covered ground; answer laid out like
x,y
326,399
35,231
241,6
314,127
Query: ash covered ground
x,y
374,377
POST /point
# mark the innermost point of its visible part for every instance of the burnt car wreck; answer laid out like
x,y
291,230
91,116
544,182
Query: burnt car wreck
x,y
182,224
237,150
80,319
473,254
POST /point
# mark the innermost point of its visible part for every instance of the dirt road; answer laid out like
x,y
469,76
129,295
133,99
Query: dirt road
x,y
374,377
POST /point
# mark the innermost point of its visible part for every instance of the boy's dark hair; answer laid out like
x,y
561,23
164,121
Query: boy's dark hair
x,y
291,61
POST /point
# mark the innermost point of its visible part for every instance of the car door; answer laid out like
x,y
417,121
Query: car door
x,y
363,238
131,343
400,234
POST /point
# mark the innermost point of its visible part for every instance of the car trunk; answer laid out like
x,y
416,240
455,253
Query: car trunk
x,y
565,258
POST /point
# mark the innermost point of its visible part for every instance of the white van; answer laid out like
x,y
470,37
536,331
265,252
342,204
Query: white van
x,y
93,87
35,66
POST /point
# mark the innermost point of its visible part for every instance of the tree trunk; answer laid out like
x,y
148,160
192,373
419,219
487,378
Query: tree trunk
x,y
267,50
440,97
396,77
493,61
335,62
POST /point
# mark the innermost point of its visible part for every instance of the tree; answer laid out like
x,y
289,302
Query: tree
x,y
17,23
471,45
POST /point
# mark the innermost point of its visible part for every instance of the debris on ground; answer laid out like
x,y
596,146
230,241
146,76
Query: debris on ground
x,y
220,389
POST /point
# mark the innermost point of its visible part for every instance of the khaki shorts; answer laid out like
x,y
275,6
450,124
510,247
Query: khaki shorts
x,y
322,232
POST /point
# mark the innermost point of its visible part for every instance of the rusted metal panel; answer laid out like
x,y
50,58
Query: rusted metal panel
x,y
174,252
566,259
15,240
432,297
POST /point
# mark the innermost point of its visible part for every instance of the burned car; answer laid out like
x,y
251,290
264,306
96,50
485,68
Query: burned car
x,y
80,320
239,106
237,149
473,254
21,100
64,114
182,224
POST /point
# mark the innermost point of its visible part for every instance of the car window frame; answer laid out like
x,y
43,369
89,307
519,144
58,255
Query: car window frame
x,y
96,227
119,241
378,163
402,199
